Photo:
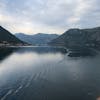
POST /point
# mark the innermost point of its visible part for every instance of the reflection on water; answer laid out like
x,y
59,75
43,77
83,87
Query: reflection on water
x,y
45,73
4,52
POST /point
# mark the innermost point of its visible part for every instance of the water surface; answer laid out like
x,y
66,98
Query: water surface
x,y
46,73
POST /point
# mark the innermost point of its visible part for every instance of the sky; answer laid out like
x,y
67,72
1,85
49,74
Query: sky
x,y
48,16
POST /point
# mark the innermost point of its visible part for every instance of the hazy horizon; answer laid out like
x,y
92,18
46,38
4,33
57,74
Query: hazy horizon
x,y
48,16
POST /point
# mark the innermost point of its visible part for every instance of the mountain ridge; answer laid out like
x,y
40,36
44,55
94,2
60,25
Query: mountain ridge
x,y
78,38
8,38
36,39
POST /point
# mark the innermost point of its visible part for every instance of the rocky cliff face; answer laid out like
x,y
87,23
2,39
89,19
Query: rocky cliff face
x,y
78,38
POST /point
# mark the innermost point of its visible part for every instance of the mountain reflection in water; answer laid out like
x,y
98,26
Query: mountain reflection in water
x,y
46,73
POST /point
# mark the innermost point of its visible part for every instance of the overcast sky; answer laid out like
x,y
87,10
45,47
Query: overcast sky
x,y
48,16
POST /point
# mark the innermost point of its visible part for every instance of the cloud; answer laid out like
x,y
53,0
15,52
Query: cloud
x,y
50,16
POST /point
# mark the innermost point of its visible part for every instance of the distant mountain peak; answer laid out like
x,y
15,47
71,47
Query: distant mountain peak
x,y
37,39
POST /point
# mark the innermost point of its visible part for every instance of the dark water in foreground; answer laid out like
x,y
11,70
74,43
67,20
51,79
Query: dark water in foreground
x,y
44,73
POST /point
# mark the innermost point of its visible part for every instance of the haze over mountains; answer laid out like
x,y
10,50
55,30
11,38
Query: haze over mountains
x,y
7,38
37,39
73,38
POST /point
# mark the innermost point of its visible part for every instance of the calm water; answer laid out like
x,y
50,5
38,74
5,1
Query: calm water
x,y
45,73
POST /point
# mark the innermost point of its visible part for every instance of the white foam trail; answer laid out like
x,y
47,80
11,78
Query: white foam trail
x,y
29,82
18,89
5,96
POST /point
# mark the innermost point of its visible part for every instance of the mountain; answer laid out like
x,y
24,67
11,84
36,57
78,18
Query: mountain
x,y
37,39
76,38
8,39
